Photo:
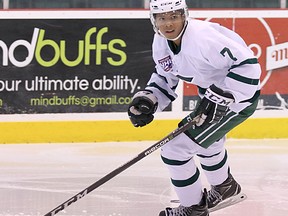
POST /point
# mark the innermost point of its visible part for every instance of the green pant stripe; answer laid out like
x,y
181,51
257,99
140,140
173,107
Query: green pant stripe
x,y
217,127
217,166
186,182
211,129
232,123
207,136
199,133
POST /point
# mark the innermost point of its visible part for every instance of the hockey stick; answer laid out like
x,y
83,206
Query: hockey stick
x,y
120,169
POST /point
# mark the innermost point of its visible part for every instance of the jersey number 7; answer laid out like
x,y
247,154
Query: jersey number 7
x,y
229,53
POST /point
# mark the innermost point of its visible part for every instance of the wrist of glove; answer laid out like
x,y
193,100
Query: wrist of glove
x,y
140,111
212,107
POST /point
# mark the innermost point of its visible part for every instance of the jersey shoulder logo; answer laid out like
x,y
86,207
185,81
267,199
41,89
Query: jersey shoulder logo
x,y
166,63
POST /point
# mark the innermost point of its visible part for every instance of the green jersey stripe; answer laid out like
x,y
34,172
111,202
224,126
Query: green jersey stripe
x,y
187,79
247,61
243,79
162,90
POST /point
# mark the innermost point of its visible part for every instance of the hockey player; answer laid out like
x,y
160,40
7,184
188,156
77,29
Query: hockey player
x,y
227,74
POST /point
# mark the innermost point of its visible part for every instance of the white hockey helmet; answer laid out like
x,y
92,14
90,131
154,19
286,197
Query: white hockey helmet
x,y
164,6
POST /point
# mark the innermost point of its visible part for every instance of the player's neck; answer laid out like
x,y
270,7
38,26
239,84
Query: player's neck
x,y
175,48
177,42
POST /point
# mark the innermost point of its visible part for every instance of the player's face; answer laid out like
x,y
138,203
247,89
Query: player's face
x,y
170,24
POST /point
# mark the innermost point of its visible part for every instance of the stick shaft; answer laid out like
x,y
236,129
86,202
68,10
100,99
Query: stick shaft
x,y
120,169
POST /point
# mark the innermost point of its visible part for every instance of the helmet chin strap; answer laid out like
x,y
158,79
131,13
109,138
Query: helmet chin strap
x,y
176,38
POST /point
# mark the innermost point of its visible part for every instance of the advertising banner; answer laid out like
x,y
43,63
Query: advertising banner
x,y
72,65
268,38
95,65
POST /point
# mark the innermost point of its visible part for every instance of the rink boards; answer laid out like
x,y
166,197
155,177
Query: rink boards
x,y
122,130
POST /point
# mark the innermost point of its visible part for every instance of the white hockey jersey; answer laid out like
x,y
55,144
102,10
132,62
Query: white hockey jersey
x,y
209,54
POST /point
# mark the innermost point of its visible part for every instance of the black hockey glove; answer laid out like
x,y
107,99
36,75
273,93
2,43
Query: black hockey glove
x,y
142,108
212,107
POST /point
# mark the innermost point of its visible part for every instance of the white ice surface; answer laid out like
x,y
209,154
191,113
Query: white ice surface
x,y
34,179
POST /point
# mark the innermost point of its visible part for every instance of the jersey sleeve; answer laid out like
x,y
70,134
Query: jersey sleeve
x,y
163,88
227,51
161,83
